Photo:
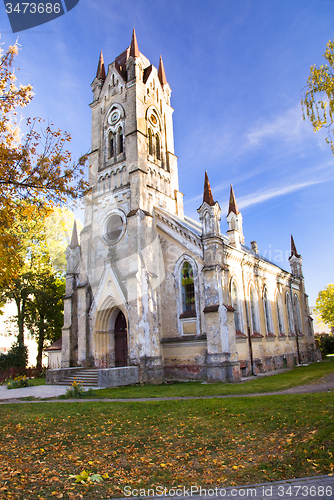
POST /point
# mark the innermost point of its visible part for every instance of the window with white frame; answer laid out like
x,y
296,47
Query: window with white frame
x,y
188,288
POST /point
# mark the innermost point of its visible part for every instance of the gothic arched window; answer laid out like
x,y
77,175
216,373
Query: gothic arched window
x,y
111,145
290,313
120,141
188,288
280,322
267,311
254,311
236,307
298,316
150,143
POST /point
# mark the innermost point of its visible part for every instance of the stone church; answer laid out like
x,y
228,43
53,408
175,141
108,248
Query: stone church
x,y
150,287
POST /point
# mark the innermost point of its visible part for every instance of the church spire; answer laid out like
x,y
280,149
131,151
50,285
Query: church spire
x,y
74,240
207,195
101,72
134,51
233,207
161,73
293,249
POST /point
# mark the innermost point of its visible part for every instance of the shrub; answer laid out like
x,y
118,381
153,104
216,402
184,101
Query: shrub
x,y
76,390
18,382
17,357
326,344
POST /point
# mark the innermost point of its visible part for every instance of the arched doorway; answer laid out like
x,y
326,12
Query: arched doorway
x,y
121,341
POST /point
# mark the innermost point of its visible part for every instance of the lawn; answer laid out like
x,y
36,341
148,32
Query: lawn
x,y
297,376
217,442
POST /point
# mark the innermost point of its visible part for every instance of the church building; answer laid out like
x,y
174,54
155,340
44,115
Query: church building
x,y
149,287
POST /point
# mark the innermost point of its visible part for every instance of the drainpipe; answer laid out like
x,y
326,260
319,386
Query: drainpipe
x,y
247,320
294,322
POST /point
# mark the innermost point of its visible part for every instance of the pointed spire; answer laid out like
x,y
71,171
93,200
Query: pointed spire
x,y
293,248
101,72
161,73
134,51
233,207
74,241
207,196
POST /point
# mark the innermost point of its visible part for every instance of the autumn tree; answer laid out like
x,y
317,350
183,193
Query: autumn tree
x,y
324,306
318,101
35,167
32,257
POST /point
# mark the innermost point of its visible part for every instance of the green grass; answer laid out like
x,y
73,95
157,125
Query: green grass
x,y
37,381
144,444
297,376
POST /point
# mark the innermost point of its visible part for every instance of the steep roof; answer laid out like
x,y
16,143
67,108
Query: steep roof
x,y
161,73
101,72
207,195
134,51
233,207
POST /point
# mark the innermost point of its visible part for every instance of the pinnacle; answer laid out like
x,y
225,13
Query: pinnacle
x,y
233,207
134,51
101,72
207,196
74,241
161,73
293,248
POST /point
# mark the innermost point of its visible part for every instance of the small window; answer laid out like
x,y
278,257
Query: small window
x,y
111,145
150,143
120,141
157,147
188,288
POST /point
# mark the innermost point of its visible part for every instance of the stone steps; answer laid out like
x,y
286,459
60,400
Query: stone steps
x,y
88,378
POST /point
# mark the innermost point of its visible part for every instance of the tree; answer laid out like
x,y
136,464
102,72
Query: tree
x,y
36,167
324,305
318,102
45,310
31,256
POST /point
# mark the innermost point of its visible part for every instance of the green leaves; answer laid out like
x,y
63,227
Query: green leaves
x,y
318,102
325,305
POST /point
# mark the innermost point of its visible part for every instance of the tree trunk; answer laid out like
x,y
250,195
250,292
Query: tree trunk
x,y
41,338
20,320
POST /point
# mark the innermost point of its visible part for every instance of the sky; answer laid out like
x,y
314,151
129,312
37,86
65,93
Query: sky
x,y
237,69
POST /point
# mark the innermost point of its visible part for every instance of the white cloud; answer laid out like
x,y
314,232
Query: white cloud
x,y
288,126
261,196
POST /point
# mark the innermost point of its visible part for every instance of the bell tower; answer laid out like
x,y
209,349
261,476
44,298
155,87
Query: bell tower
x,y
132,154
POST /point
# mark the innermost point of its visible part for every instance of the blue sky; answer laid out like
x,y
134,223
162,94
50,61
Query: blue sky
x,y
237,69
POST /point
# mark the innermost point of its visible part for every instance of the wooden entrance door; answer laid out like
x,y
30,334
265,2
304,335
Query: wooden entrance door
x,y
121,341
